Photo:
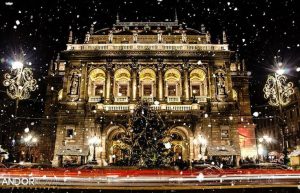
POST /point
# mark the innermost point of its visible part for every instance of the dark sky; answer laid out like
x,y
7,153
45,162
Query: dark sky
x,y
258,29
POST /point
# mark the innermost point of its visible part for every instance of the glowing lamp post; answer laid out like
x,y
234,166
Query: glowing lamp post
x,y
278,91
29,141
20,82
94,141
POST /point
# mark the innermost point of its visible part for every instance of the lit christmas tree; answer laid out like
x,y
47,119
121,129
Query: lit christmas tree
x,y
147,139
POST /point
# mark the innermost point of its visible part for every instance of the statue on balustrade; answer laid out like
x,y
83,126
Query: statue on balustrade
x,y
135,37
159,37
110,37
183,37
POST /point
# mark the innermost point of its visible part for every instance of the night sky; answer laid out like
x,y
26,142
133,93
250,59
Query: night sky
x,y
258,29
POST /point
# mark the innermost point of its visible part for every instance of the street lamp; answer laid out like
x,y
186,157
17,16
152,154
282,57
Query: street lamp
x,y
278,91
94,141
29,140
20,82
201,141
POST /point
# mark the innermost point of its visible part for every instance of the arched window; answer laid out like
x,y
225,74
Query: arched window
x,y
96,83
176,137
173,85
122,85
147,84
198,82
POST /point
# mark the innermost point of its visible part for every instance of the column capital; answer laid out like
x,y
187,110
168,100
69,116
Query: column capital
x,y
160,66
109,64
186,66
134,63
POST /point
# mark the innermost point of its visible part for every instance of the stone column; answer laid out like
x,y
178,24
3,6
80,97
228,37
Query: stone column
x,y
186,85
160,89
108,81
107,86
134,85
134,79
211,81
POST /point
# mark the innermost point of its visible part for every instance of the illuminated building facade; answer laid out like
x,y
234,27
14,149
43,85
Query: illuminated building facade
x,y
193,83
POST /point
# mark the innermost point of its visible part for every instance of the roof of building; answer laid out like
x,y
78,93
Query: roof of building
x,y
149,28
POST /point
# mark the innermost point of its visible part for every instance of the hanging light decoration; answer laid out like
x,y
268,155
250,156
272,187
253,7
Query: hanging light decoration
x,y
277,90
20,82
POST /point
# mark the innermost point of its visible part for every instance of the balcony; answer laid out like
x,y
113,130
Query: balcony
x,y
147,98
121,99
201,99
155,107
163,107
179,107
95,99
116,107
173,99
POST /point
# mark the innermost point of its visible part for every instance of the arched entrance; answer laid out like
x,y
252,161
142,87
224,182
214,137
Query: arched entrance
x,y
180,143
115,150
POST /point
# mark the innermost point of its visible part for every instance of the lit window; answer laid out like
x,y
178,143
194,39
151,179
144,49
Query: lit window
x,y
99,90
123,90
147,90
171,90
70,132
196,90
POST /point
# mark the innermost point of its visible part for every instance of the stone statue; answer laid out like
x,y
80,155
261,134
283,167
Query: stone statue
x,y
74,84
87,37
110,37
135,37
208,41
159,37
183,37
220,80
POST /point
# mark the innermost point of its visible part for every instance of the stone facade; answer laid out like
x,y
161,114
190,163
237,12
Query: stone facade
x,y
194,84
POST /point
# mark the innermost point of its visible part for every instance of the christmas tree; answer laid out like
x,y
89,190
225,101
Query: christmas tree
x,y
147,139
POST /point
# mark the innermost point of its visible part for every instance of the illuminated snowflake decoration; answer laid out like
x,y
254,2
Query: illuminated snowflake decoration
x,y
277,90
20,83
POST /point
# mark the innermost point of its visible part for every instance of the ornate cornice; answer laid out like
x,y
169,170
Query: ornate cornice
x,y
95,54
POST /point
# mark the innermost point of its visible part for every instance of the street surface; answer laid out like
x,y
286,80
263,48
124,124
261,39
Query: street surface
x,y
154,179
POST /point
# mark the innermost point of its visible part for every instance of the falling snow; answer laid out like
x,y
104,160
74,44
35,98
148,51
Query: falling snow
x,y
256,30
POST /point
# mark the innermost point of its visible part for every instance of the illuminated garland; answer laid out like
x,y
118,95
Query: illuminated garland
x,y
277,90
20,83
